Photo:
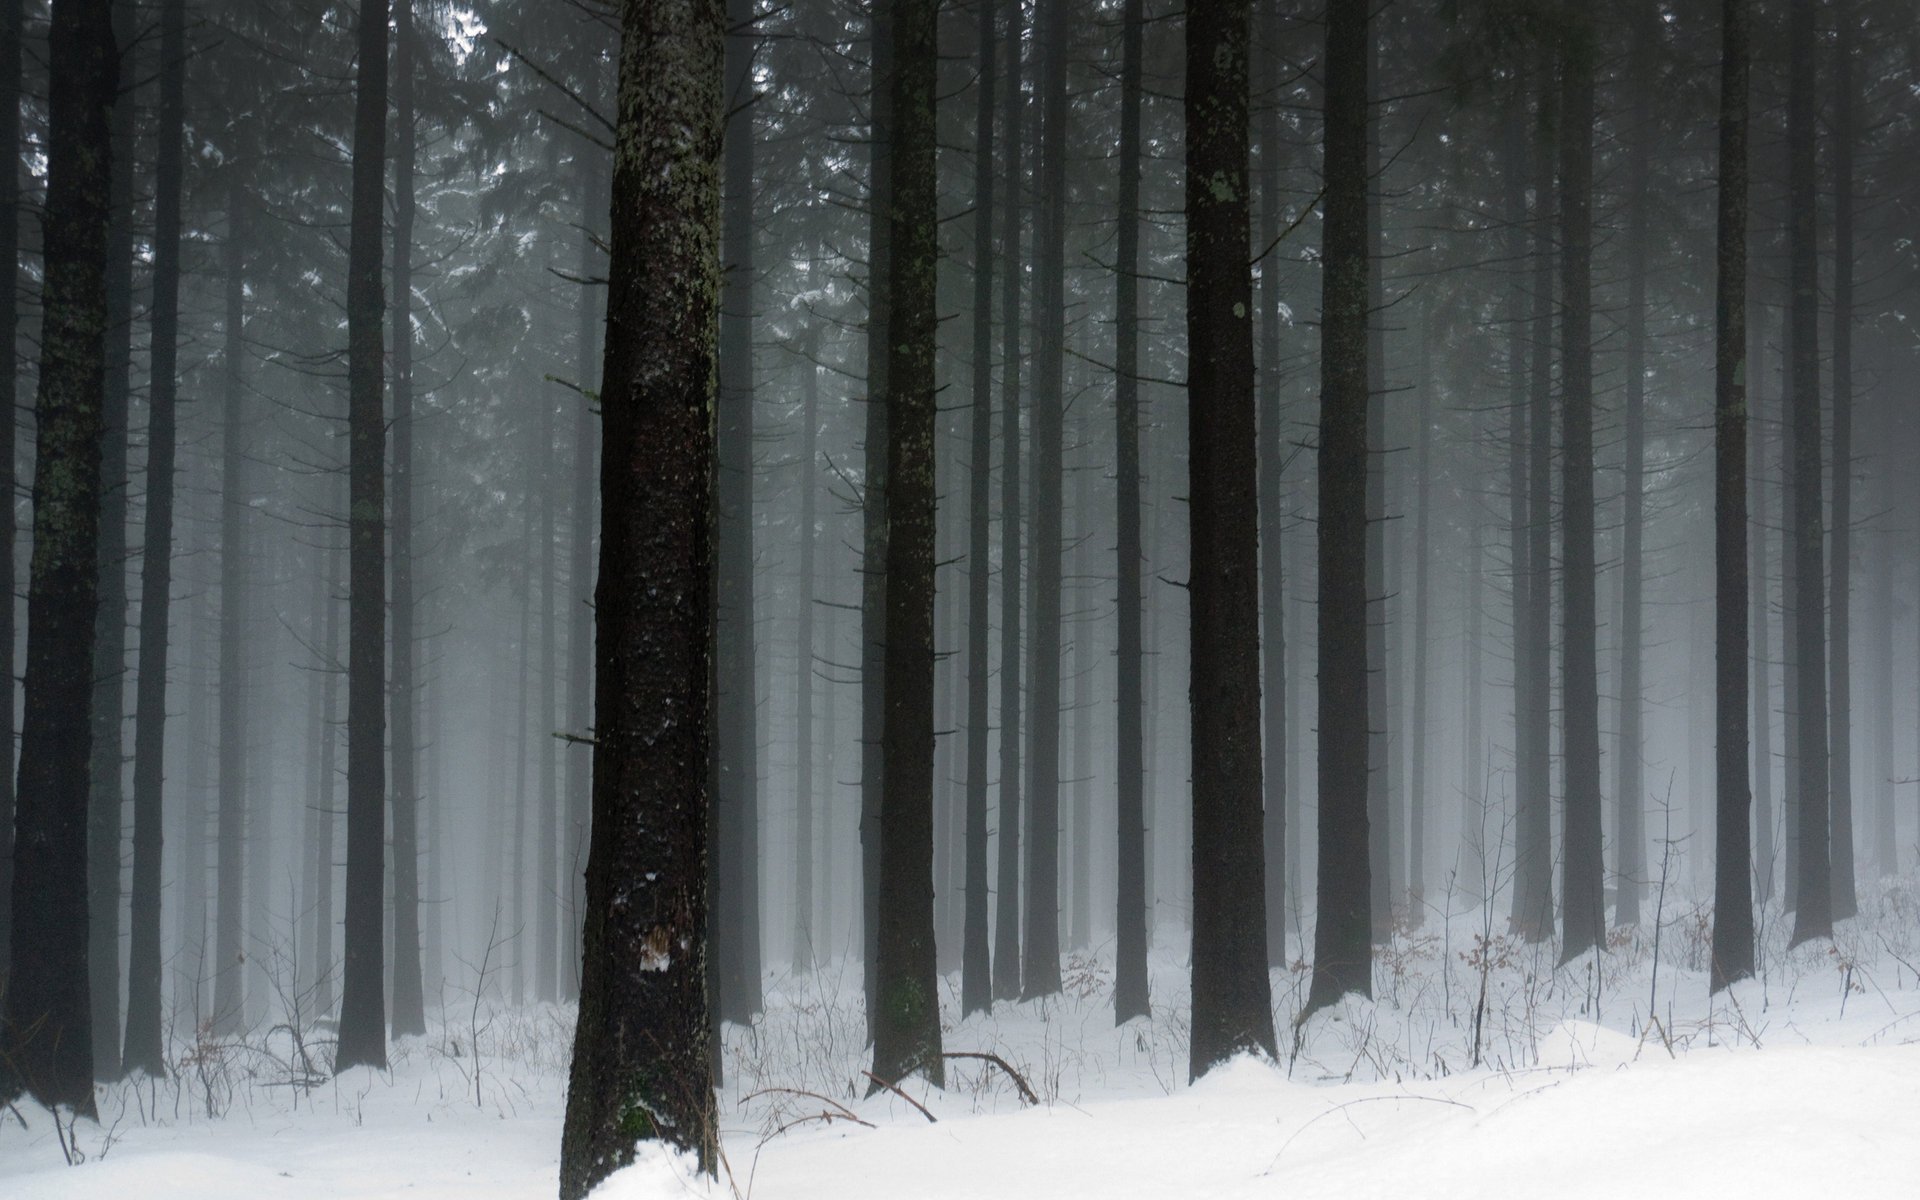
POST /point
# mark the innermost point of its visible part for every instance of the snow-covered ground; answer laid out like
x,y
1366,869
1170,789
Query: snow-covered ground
x,y
1620,1083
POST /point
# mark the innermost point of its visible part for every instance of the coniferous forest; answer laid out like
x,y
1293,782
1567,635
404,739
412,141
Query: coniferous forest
x,y
658,597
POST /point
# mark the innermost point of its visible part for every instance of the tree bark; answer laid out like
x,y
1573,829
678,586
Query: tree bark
x,y
229,979
1273,641
11,22
1006,932
1840,570
873,574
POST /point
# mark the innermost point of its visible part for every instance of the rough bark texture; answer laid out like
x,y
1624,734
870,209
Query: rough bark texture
x,y
1732,881
1232,1004
1342,960
586,453
906,1024
873,506
362,998
144,1047
46,1046
1273,641
641,1057
10,54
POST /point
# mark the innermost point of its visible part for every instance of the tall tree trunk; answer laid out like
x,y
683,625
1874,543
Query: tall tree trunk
x,y
1630,788
1732,884
1342,959
1085,703
807,936
976,967
1232,1004
46,1049
1813,914
1040,964
229,980
1514,180
641,1058
1839,579
1423,412
145,1048
873,575
1791,671
1130,915
11,44
1472,864
1006,917
586,450
1760,617
906,1026
106,795
362,999
1583,912
409,1001
547,920
1273,641
1380,831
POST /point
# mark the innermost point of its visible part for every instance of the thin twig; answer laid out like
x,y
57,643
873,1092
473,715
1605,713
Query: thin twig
x,y
895,1089
1026,1093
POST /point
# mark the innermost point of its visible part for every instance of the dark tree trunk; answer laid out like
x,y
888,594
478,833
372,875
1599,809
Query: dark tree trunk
x,y
1791,672
1380,830
1514,178
1839,580
1760,620
873,559
906,1025
1130,916
1085,703
1813,911
1342,959
1422,607
547,934
1732,881
976,967
145,1049
1630,787
1006,915
10,54
229,978
362,998
1583,912
1273,641
586,450
47,1050
1232,1004
641,1058
106,795
409,1002
735,739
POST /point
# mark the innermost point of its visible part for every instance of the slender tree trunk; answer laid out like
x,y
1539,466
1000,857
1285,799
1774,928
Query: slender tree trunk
x,y
1760,619
1423,412
873,575
1791,671
517,850
1520,577
229,980
1085,702
145,1049
906,1026
1006,932
1732,885
807,943
1130,916
1472,861
586,451
46,1049
1813,914
362,1019
1273,641
1342,925
641,1058
11,44
1232,1005
1839,579
976,967
547,906
1380,830
106,795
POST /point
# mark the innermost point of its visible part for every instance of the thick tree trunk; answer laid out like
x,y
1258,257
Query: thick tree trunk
x,y
11,45
1130,915
1342,924
145,1049
1232,1004
46,1049
229,980
1006,914
1380,802
906,1025
641,1058
873,507
1273,641
586,452
1839,579
1813,912
362,1000
1732,885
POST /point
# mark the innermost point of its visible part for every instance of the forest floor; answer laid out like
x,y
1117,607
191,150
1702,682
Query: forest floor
x,y
1620,1081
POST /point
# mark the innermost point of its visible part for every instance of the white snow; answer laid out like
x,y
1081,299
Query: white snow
x,y
1807,1080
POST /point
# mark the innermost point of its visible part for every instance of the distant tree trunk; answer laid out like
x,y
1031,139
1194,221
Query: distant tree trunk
x,y
107,797
1472,861
1760,618
523,693
189,989
229,979
1006,931
1130,916
976,967
1232,1005
1732,883
1085,702
807,939
1342,959
145,1048
1380,805
873,575
1813,915
1273,641
1790,671
11,22
409,1002
1423,412
1839,581
586,450
1040,964
641,1058
1629,824
547,935
362,1000
1533,783
1520,577
735,740
1886,843
906,1027
46,1049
